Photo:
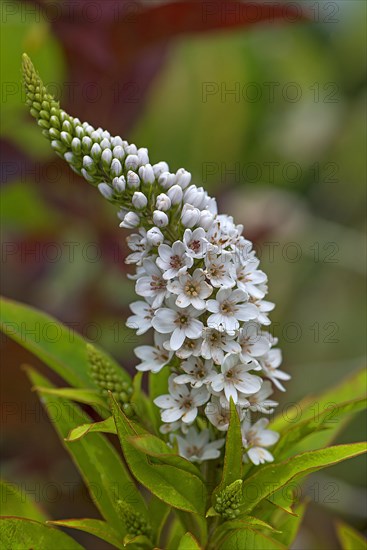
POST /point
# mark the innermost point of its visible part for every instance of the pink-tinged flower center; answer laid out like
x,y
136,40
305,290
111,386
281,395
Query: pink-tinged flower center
x,y
217,270
187,404
175,261
160,355
194,451
195,246
157,283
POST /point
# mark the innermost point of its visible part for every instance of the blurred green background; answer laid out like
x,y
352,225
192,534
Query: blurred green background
x,y
270,118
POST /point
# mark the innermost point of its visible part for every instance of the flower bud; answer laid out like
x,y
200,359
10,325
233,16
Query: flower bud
x,y
206,219
143,156
66,138
163,202
131,149
146,174
139,200
155,236
160,218
132,162
175,194
118,152
88,164
116,141
166,180
130,221
106,158
133,180
116,168
119,184
183,178
195,196
96,152
87,176
76,146
105,144
70,157
159,168
190,215
105,190
86,144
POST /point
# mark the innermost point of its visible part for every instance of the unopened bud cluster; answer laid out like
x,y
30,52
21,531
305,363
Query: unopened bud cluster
x,y
109,379
228,501
202,291
134,522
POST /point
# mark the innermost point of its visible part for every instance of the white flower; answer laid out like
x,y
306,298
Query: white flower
x,y
142,320
182,178
155,236
181,402
139,200
159,168
191,289
137,242
259,402
146,172
152,283
180,323
195,242
230,307
190,215
206,219
160,218
163,202
257,437
175,194
234,377
153,358
196,447
189,348
130,221
173,260
105,190
216,344
263,308
253,342
196,196
270,363
132,180
220,269
197,372
248,277
219,415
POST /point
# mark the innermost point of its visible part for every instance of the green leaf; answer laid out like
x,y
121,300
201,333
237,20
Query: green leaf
x,y
175,532
189,542
152,446
58,346
21,534
15,502
232,468
238,524
158,512
349,538
89,397
143,406
105,426
288,525
95,527
351,388
161,480
98,462
251,539
274,476
326,419
158,385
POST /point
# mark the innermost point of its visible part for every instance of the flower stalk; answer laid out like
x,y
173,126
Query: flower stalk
x,y
200,287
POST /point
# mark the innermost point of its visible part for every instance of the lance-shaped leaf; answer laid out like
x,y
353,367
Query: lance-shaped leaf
x,y
327,419
58,346
88,397
98,462
351,388
105,426
189,542
250,538
274,476
181,490
15,502
19,534
349,538
288,525
158,449
95,527
225,528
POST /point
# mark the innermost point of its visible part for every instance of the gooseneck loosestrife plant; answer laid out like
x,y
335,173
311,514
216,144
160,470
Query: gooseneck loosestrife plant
x,y
201,465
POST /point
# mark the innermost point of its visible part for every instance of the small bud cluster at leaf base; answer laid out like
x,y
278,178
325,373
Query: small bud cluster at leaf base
x,y
135,523
109,379
228,501
202,292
